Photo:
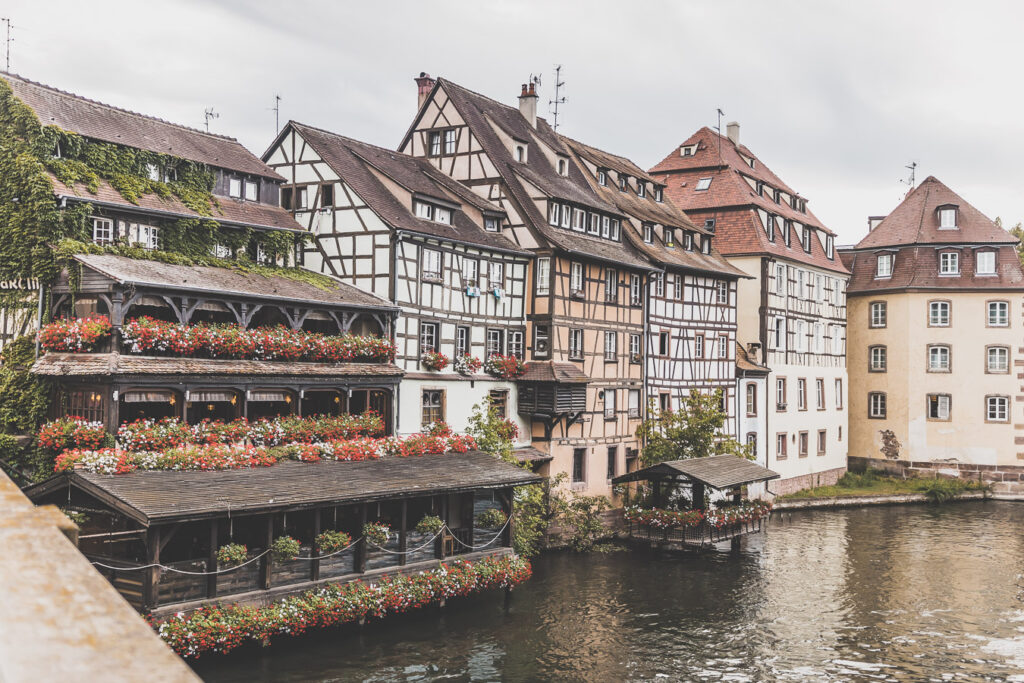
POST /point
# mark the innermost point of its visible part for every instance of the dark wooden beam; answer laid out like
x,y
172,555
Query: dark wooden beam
x,y
314,572
152,578
267,560
403,539
211,565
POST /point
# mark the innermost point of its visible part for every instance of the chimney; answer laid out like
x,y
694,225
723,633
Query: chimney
x,y
753,351
732,131
873,222
424,84
528,104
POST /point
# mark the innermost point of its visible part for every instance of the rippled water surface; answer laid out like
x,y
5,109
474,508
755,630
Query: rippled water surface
x,y
896,593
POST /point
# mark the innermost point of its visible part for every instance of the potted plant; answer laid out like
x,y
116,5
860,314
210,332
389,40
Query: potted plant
x,y
377,533
467,364
284,548
430,524
434,360
492,518
331,541
504,367
231,555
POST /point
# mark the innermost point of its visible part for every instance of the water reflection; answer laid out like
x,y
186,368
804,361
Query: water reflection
x,y
908,593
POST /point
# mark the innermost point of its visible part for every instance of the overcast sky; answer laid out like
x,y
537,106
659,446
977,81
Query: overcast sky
x,y
836,97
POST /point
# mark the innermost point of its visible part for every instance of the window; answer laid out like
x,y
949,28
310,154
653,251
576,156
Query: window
x,y
425,211
147,236
938,358
102,230
786,230
752,443
541,341
576,344
780,393
634,348
822,441
553,213
997,408
301,198
751,399
602,177
830,246
470,272
520,153
609,404
709,224
576,278
780,279
428,337
492,224
449,141
664,402
939,406
578,457
496,275
611,285
722,291
998,313
938,314
819,338
659,194
515,343
263,256
595,224
998,359
801,394
779,334
803,444
615,229
221,251
670,237
252,191
566,215
634,290
877,358
235,188
800,336
286,198
703,184
659,284
949,263
431,268
800,287
769,227
498,398
876,405
883,265
839,394
623,182
579,220
641,189
326,196
86,404
805,238
723,347
677,287
878,314
494,345
986,263
611,345
947,219
606,226
442,215
432,402
780,445
698,346
663,338
648,233
543,276
819,392
634,403
461,341
613,452
434,144
837,340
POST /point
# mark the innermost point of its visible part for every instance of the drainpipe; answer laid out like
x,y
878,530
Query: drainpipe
x,y
393,286
39,322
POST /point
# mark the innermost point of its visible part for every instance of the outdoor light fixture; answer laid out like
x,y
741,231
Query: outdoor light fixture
x,y
209,406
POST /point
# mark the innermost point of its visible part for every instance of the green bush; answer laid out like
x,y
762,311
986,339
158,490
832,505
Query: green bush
x,y
231,554
940,491
284,548
492,518
430,524
24,399
330,541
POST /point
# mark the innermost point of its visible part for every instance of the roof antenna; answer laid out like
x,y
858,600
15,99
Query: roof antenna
x,y
558,100
277,113
8,41
210,114
719,129
911,180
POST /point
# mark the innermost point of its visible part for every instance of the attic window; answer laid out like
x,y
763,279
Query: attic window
x,y
703,184
709,224
252,191
641,189
492,224
806,239
688,241
883,266
520,153
235,188
153,172
670,237
648,233
602,178
769,227
829,246
705,244
686,151
563,168
432,213
750,162
56,151
985,263
659,194
623,182
947,218
170,174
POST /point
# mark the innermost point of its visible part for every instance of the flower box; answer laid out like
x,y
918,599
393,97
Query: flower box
x,y
472,291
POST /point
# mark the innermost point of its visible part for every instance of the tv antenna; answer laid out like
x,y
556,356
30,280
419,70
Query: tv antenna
x,y
912,167
210,114
719,129
7,41
553,104
277,113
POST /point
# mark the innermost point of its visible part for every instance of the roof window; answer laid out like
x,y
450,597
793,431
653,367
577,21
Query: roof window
x,y
703,184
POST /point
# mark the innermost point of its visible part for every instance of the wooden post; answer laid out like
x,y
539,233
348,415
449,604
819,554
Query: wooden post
x,y
444,516
314,572
211,565
267,559
153,573
511,493
698,495
363,544
403,536
737,495
657,493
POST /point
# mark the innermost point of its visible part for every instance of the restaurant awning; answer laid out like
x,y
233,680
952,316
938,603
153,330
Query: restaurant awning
x,y
716,471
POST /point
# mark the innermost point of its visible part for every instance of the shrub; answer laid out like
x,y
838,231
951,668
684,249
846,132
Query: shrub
x,y
284,548
330,541
24,398
492,518
940,491
430,524
377,533
231,555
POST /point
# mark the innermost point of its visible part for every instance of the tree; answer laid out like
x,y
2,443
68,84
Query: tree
x,y
693,431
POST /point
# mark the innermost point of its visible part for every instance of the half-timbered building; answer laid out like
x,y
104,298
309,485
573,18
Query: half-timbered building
x,y
690,303
397,227
792,311
583,387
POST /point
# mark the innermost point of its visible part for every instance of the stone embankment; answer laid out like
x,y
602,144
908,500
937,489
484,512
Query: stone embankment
x,y
897,499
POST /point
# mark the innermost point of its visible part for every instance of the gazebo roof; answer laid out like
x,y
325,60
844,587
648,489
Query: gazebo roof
x,y
716,471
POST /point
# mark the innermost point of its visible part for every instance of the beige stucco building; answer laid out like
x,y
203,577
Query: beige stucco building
x,y
934,327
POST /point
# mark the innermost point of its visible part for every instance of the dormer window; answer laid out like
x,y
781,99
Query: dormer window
x,y
641,189
520,154
56,154
492,224
947,218
170,174
595,224
750,162
429,212
659,194
985,263
688,241
769,227
449,141
949,263
883,266
778,195
606,226
434,144
705,244
670,237
760,189
786,232
579,220
686,151
806,239
830,246
563,167
648,233
235,188
602,178
553,209
252,191
703,184
615,229
153,172
623,182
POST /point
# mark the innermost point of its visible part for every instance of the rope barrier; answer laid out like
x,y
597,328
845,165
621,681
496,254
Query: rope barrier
x,y
181,571
407,552
481,547
336,552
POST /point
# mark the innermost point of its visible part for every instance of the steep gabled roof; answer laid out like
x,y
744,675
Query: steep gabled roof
x,y
357,163
916,221
107,123
647,210
482,114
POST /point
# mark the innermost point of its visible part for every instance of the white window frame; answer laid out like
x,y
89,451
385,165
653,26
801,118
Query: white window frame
x,y
677,287
883,266
470,272
543,284
102,230
878,358
1001,356
252,191
723,347
576,277
450,141
947,219
780,279
576,343
939,358
997,408
235,187
703,184
722,291
442,215
611,345
943,406
635,293
877,408
986,265
939,313
430,259
949,263
997,314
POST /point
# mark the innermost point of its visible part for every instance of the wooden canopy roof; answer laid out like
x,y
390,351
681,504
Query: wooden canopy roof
x,y
151,497
716,471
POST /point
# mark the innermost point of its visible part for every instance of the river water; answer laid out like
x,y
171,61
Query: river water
x,y
912,593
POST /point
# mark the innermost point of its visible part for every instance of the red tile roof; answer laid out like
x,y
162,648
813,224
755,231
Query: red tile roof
x,y
918,268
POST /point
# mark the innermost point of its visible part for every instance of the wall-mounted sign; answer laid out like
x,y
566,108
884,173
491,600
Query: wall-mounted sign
x,y
22,283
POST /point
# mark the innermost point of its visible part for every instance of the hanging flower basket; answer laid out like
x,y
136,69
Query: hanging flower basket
x,y
72,432
74,335
284,548
332,541
377,533
467,364
433,360
504,367
231,555
430,524
492,518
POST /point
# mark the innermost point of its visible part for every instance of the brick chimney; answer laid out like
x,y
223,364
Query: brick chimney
x,y
754,352
424,84
732,131
528,104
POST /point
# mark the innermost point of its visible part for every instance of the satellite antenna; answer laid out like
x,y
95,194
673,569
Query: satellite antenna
x,y
553,104
7,41
912,167
277,113
210,114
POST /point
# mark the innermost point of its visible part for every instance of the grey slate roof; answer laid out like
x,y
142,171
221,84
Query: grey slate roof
x,y
717,471
104,122
163,496
227,281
